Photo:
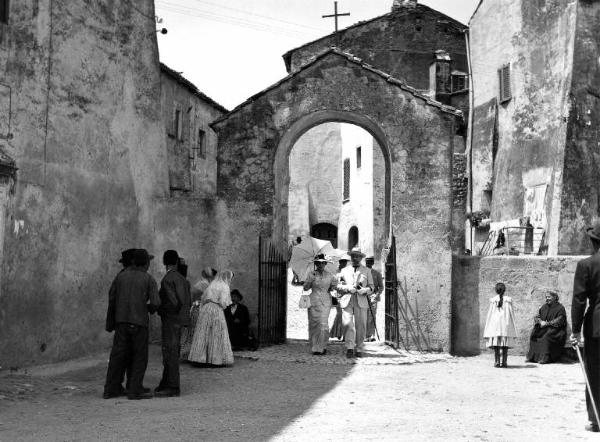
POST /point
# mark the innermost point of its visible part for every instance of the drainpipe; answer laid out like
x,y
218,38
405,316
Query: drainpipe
x,y
470,140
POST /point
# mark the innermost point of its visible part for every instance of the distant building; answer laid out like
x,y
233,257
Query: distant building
x,y
536,115
191,143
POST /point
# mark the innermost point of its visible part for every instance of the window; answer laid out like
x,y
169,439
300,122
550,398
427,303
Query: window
x,y
346,196
504,78
176,126
200,144
358,157
460,81
3,11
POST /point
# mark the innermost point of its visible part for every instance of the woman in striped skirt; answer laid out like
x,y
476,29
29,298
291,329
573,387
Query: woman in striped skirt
x,y
211,344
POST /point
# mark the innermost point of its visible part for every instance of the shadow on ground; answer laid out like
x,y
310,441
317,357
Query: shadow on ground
x,y
253,397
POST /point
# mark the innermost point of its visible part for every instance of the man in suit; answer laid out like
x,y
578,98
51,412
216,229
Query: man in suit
x,y
586,292
174,311
356,283
238,320
133,293
375,297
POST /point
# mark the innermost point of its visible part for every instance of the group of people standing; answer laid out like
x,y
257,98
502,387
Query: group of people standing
x,y
356,289
193,322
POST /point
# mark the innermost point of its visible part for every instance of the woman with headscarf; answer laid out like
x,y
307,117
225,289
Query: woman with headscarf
x,y
211,344
549,332
500,331
187,334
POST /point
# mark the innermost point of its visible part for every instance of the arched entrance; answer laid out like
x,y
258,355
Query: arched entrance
x,y
353,239
325,231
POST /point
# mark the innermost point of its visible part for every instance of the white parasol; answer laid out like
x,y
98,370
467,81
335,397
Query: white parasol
x,y
304,253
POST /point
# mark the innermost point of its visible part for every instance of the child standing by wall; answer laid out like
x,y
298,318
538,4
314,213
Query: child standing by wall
x,y
500,331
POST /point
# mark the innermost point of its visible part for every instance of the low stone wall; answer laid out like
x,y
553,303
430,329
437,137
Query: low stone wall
x,y
521,275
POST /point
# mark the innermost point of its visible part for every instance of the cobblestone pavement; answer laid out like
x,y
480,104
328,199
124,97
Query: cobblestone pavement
x,y
376,353
282,393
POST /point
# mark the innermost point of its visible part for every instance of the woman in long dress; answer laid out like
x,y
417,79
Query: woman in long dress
x,y
211,343
500,331
187,334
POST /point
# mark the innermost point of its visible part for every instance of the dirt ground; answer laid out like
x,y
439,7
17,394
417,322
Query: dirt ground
x,y
267,399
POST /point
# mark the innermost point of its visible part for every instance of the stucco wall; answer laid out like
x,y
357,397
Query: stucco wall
x,y
580,194
89,145
521,275
418,141
315,179
537,41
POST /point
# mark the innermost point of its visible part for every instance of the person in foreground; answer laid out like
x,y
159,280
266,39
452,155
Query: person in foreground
x,y
174,313
211,343
585,312
133,293
320,282
500,331
549,331
356,283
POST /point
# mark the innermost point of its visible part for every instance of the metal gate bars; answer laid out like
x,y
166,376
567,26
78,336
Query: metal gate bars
x,y
392,329
272,294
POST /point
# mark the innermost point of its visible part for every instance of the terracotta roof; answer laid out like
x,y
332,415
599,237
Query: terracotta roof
x,y
191,87
334,51
421,9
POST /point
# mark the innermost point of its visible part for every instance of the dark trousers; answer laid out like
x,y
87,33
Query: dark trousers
x,y
591,357
129,349
171,342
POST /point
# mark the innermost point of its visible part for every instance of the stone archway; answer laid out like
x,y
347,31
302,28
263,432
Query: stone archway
x,y
417,137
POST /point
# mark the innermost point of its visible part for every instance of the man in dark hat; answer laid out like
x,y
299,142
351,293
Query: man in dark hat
x,y
175,304
133,292
586,293
126,261
375,297
238,320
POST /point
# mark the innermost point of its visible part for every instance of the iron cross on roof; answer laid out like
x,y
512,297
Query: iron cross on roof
x,y
336,15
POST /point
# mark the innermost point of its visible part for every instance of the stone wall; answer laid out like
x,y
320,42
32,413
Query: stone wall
x,y
474,283
416,136
529,130
401,43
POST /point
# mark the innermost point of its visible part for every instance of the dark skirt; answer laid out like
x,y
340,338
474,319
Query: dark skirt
x,y
546,344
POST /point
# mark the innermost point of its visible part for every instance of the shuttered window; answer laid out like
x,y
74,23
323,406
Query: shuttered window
x,y
346,179
358,157
3,11
504,78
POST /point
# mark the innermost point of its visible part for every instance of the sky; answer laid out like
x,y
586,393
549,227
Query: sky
x,y
231,49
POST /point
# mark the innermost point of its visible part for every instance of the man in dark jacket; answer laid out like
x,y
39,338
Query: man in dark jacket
x,y
132,293
174,310
586,292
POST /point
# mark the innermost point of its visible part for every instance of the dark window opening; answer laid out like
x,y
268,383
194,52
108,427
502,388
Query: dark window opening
x,y
504,78
358,157
459,82
352,237
3,11
200,144
325,231
177,124
346,195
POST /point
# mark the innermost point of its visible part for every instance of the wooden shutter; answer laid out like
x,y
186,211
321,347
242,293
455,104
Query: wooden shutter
x,y
504,78
346,179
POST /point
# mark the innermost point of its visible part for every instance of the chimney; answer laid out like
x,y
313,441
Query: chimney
x,y
404,4
439,76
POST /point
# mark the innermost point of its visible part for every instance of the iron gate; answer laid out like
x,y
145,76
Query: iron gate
x,y
392,329
272,294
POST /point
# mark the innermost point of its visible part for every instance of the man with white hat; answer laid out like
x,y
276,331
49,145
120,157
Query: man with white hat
x,y
355,285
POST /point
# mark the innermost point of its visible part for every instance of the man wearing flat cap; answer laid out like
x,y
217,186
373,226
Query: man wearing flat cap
x,y
586,293
356,283
133,293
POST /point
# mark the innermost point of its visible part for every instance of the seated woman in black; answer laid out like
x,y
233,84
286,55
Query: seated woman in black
x,y
549,332
238,320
